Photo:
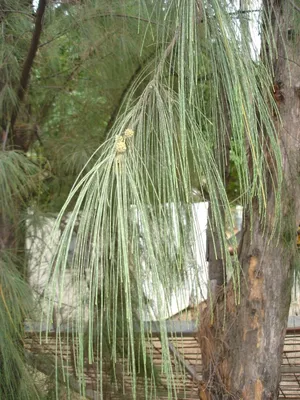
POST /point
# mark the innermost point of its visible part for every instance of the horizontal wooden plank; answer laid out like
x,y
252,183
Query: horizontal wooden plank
x,y
185,356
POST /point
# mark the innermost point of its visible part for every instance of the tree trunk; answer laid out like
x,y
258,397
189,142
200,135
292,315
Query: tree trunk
x,y
22,138
242,346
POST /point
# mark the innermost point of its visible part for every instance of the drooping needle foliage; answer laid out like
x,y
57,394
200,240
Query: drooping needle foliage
x,y
197,94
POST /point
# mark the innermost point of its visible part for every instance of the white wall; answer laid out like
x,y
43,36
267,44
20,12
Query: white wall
x,y
41,242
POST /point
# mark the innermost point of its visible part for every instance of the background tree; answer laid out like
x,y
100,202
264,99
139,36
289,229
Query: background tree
x,y
60,90
173,93
16,185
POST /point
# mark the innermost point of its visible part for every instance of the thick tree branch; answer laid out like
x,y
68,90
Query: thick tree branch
x,y
25,75
47,365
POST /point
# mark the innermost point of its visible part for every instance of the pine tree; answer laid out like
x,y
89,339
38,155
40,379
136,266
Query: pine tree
x,y
170,94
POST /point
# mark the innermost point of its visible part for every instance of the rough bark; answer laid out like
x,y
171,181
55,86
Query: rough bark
x,y
242,353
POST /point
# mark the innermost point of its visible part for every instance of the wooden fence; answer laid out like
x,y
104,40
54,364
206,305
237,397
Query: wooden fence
x,y
186,359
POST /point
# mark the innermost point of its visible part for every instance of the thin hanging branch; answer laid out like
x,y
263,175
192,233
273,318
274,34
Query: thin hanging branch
x,y
116,110
297,8
25,75
125,91
5,136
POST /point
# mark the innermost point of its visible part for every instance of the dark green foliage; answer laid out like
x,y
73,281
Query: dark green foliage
x,y
15,304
